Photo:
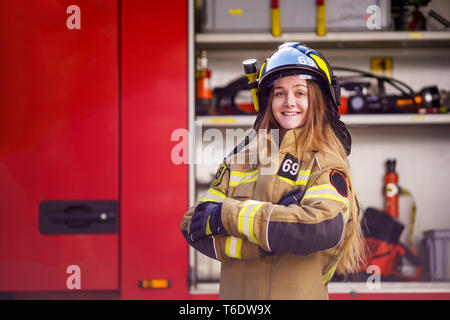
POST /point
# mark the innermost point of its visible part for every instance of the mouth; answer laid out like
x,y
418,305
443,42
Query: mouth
x,y
290,113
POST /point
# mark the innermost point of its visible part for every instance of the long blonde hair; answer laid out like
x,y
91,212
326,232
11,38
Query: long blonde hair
x,y
317,134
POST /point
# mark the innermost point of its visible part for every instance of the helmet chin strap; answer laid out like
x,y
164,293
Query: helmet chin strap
x,y
340,130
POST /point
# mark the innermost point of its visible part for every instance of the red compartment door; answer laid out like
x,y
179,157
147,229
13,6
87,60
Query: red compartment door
x,y
58,139
154,190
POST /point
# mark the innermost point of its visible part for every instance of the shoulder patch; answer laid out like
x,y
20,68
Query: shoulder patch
x,y
338,180
219,175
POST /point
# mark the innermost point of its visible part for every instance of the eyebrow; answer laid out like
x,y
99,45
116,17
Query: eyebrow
x,y
297,85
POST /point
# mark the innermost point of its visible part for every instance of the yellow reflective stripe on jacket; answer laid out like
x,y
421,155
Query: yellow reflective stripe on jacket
x,y
327,191
327,276
246,216
291,182
303,177
213,195
233,247
238,177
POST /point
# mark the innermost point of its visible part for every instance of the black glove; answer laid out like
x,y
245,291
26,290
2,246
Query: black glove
x,y
206,221
292,197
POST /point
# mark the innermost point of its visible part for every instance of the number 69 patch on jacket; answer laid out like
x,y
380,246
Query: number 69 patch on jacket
x,y
289,167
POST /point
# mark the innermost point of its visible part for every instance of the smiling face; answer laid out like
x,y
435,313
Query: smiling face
x,y
290,102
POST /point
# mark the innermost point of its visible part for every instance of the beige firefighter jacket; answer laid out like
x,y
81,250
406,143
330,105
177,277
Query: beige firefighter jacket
x,y
273,251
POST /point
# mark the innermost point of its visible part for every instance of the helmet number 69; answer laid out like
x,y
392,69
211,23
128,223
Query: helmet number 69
x,y
306,61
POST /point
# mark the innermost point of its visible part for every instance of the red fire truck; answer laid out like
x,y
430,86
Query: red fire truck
x,y
90,200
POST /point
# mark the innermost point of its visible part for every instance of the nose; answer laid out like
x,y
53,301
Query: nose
x,y
290,99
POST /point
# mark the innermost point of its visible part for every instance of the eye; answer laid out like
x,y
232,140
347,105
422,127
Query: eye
x,y
299,93
279,93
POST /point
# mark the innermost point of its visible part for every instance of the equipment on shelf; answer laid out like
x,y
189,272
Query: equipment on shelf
x,y
321,24
391,189
427,100
439,18
203,95
382,231
435,244
226,98
407,19
275,18
382,234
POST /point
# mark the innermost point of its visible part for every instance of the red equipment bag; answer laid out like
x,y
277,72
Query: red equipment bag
x,y
382,233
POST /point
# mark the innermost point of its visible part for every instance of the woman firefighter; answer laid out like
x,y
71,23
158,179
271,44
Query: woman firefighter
x,y
282,234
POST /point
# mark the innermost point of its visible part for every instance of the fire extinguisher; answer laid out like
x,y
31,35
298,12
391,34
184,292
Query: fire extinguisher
x,y
391,192
204,91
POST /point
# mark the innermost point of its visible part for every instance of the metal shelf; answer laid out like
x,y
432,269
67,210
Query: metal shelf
x,y
366,39
396,119
353,120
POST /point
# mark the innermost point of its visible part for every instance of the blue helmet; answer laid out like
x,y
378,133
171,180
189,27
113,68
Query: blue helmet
x,y
293,58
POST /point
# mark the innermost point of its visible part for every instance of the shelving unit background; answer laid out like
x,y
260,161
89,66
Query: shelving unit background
x,y
422,148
